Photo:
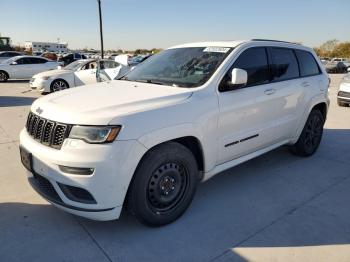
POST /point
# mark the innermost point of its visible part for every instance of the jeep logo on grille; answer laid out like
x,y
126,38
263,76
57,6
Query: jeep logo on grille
x,y
39,110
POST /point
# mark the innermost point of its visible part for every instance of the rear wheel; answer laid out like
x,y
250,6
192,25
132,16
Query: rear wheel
x,y
163,185
3,76
311,135
58,85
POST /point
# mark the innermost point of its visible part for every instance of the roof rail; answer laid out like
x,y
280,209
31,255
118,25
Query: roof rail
x,y
272,40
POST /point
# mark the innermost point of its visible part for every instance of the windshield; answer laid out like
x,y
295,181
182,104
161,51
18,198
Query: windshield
x,y
74,66
183,67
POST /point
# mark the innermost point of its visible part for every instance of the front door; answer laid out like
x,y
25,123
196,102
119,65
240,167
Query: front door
x,y
86,75
247,114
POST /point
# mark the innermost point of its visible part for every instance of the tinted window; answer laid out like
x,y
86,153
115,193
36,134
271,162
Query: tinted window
x,y
284,64
38,61
307,63
110,64
24,61
254,61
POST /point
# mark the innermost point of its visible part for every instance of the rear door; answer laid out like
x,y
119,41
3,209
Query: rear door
x,y
287,91
38,65
247,114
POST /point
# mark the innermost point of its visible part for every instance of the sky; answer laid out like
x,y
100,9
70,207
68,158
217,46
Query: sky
x,y
132,24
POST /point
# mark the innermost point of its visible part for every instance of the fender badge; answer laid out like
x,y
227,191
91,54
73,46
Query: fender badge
x,y
39,110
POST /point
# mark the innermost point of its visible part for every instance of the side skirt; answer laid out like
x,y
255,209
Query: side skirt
x,y
237,161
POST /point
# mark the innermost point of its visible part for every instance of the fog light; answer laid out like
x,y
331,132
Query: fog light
x,y
77,170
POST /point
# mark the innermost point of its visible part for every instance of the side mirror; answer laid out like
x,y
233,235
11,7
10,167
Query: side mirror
x,y
239,77
14,63
59,67
348,69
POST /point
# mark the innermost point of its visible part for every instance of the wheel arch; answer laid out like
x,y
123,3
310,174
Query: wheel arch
x,y
323,107
316,103
59,79
192,143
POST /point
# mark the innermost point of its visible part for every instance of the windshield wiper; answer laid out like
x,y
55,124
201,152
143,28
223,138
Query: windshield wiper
x,y
150,81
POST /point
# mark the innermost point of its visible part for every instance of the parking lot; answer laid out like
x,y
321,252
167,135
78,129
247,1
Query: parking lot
x,y
277,207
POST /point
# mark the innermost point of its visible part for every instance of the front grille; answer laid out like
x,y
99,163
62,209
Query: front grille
x,y
47,132
344,94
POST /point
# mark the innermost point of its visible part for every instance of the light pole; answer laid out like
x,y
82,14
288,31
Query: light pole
x,y
101,34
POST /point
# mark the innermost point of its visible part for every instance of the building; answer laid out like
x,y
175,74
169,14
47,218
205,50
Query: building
x,y
46,46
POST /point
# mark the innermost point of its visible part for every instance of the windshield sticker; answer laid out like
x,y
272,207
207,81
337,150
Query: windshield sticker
x,y
216,49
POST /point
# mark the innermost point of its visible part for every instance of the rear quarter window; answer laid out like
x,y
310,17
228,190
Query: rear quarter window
x,y
284,64
307,63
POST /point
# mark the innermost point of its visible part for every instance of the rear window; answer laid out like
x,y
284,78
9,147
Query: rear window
x,y
307,63
284,64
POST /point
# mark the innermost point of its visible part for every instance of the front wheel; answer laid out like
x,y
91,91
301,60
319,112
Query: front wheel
x,y
311,135
3,76
163,185
58,85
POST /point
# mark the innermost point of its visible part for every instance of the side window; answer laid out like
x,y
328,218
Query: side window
x,y
284,64
23,61
36,60
3,54
110,64
254,61
307,63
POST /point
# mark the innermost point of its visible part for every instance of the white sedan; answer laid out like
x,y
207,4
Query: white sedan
x,y
24,67
81,72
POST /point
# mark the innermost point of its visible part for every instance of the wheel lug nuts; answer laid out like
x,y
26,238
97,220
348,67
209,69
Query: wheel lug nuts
x,y
162,188
172,188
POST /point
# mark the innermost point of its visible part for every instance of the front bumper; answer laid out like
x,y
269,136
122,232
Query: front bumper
x,y
40,84
114,165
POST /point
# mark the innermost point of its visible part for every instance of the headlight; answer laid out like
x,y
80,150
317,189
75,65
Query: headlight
x,y
95,134
45,77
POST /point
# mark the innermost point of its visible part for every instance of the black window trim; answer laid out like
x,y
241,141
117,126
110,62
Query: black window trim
x,y
246,86
269,67
313,57
282,47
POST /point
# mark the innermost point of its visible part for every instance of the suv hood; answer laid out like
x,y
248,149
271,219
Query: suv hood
x,y
55,72
98,104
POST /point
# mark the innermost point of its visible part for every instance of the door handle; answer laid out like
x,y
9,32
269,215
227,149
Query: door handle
x,y
269,91
305,84
93,73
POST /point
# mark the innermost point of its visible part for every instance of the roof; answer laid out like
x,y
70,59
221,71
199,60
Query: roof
x,y
213,43
233,43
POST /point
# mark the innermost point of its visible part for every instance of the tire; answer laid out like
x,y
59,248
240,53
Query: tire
x,y
58,85
311,135
163,185
3,76
342,104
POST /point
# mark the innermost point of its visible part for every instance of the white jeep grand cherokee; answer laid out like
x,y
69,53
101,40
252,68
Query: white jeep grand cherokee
x,y
182,116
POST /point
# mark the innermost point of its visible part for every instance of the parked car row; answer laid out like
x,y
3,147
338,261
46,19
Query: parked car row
x,y
24,67
81,72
